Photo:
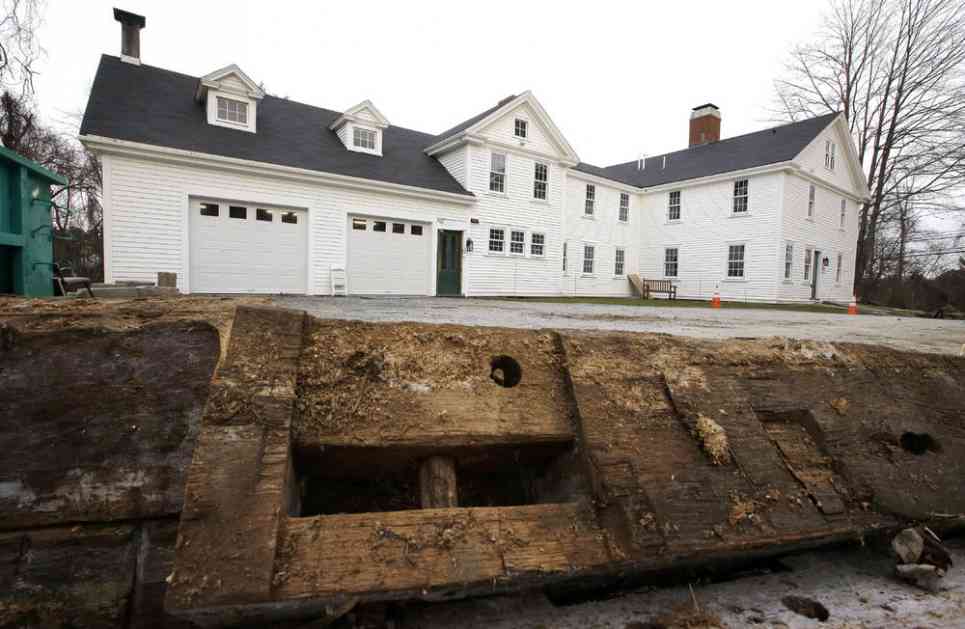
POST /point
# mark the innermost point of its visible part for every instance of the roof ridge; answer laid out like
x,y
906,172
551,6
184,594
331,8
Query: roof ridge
x,y
719,142
267,95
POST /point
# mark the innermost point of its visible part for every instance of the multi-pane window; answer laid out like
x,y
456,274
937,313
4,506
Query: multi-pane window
x,y
289,217
671,258
618,260
237,211
540,177
735,261
363,138
496,238
740,195
537,244
624,215
673,206
590,199
829,154
497,172
398,228
564,257
263,215
588,251
415,230
844,212
788,260
517,242
837,270
811,201
807,263
232,110
358,223
209,209
521,128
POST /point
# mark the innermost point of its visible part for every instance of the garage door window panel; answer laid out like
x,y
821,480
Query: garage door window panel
x,y
398,228
264,215
209,209
415,230
237,211
290,218
358,224
378,226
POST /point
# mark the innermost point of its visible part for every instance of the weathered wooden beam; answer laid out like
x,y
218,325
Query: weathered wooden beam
x,y
437,483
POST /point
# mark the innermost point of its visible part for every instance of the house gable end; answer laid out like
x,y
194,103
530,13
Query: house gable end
x,y
847,173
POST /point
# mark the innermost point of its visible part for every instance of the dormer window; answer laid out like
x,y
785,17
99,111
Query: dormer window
x,y
230,98
364,138
232,110
522,126
361,128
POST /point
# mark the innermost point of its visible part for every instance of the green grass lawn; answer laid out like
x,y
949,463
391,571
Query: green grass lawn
x,y
681,303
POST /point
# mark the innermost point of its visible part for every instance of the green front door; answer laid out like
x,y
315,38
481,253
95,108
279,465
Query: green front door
x,y
449,264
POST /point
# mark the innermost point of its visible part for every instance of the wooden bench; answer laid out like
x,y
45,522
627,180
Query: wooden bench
x,y
645,287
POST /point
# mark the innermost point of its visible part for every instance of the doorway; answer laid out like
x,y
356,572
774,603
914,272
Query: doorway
x,y
814,276
449,263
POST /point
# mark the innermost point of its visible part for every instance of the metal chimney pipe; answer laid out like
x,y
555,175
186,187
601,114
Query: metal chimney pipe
x,y
131,25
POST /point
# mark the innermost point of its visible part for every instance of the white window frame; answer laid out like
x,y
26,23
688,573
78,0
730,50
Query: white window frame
x,y
788,260
589,205
742,201
513,242
496,175
619,261
675,262
541,184
364,134
673,203
808,261
525,127
591,250
623,214
251,106
829,150
541,251
240,110
742,261
811,195
837,270
844,213
501,240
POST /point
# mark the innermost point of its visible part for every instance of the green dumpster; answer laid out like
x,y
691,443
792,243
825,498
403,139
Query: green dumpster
x,y
26,234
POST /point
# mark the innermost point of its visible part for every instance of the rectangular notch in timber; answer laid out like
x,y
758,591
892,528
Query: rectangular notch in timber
x,y
372,479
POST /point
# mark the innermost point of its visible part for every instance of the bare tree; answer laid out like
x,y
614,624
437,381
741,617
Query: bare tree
x,y
19,48
896,68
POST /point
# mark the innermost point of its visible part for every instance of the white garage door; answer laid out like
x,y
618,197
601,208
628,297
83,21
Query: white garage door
x,y
244,248
388,257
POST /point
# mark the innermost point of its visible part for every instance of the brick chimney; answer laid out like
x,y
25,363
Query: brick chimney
x,y
131,25
704,124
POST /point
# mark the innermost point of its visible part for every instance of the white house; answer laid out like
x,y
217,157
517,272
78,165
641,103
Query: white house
x,y
237,191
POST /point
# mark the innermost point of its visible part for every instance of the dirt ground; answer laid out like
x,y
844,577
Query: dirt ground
x,y
907,333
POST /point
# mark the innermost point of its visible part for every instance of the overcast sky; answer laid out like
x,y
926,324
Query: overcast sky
x,y
619,79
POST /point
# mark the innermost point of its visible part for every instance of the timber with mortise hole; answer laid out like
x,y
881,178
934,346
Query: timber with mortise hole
x,y
321,443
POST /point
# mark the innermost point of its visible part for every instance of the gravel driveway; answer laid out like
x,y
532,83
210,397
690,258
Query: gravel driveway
x,y
923,335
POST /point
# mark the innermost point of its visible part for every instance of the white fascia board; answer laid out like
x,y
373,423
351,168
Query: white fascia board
x,y
731,174
211,79
798,170
603,181
111,146
526,97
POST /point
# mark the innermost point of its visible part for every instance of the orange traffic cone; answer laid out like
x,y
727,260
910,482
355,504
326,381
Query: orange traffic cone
x,y
853,306
715,301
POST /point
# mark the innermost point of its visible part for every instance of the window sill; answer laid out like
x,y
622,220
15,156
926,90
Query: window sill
x,y
539,201
495,254
589,217
788,282
809,219
673,221
619,222
734,280
500,195
740,214
587,274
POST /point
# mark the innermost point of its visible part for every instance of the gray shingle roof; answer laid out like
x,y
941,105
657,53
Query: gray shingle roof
x,y
155,106
770,146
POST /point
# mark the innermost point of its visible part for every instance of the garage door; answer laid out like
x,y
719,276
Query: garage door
x,y
388,257
244,248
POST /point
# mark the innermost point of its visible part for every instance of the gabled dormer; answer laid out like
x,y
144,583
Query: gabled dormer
x,y
360,128
231,98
